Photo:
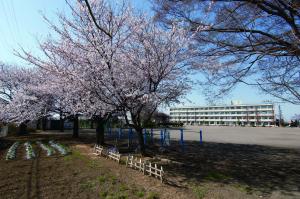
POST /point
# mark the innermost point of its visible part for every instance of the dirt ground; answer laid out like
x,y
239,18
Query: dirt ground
x,y
208,171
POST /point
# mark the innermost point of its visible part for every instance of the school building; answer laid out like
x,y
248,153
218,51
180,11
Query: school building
x,y
229,115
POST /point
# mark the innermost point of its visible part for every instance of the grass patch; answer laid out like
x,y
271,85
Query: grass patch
x,y
121,195
114,195
102,179
113,179
94,164
123,187
152,195
88,185
215,176
200,191
140,193
242,187
75,155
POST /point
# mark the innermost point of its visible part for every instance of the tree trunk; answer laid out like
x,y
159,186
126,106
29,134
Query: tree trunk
x,y
100,131
44,123
141,140
38,124
92,124
61,122
22,129
75,126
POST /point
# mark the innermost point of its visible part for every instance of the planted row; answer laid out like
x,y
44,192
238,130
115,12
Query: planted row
x,y
30,154
11,153
62,149
50,151
29,151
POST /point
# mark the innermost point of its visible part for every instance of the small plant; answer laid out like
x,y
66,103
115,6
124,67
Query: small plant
x,y
200,192
62,149
152,195
113,179
123,187
215,176
121,195
103,194
11,153
94,164
50,151
29,151
242,187
140,194
101,179
88,185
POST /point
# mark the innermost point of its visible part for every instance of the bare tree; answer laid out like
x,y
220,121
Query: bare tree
x,y
238,39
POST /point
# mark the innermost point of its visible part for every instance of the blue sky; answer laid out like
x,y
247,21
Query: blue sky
x,y
21,24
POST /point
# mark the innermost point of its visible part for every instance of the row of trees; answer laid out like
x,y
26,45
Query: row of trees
x,y
101,60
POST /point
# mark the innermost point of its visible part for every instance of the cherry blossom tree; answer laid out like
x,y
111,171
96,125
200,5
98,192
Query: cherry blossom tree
x,y
115,61
19,101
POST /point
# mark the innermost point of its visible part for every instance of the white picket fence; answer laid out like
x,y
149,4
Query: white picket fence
x,y
114,156
101,151
98,150
147,168
135,163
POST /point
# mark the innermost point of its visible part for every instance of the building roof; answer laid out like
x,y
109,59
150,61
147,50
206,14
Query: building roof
x,y
269,104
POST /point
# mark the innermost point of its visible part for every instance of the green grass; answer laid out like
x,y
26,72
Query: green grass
x,y
102,179
113,195
103,194
75,155
140,193
200,191
152,195
242,187
215,176
113,179
123,187
94,164
88,185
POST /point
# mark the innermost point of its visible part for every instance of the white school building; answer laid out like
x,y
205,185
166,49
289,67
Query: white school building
x,y
230,115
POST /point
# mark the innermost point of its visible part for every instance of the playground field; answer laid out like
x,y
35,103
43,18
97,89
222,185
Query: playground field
x,y
268,136
264,136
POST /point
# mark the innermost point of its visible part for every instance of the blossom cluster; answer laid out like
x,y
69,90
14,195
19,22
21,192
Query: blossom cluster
x,y
125,64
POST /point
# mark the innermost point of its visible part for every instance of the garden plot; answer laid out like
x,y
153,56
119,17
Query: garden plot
x,y
61,148
30,150
49,150
30,154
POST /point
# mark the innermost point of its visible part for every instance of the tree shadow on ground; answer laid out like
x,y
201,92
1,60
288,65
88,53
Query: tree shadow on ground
x,y
259,168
